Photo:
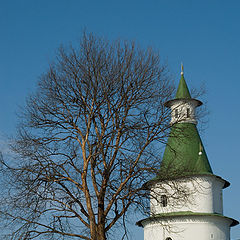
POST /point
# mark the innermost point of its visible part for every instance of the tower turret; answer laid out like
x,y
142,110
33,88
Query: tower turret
x,y
183,106
185,196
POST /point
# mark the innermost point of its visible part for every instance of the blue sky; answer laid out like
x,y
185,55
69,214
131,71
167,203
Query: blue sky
x,y
204,35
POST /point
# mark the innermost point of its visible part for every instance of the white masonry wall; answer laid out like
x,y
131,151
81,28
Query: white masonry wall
x,y
188,228
197,194
182,111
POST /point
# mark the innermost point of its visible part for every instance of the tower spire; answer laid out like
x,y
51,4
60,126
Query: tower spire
x,y
182,91
184,151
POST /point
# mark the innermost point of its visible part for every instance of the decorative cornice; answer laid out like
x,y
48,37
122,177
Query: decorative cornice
x,y
185,216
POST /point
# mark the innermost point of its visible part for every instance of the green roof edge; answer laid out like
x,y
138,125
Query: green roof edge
x,y
158,178
187,213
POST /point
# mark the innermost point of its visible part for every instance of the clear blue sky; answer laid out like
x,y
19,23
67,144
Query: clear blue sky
x,y
204,35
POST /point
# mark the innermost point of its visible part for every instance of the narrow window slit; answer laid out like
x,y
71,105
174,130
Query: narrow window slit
x,y
176,113
164,200
188,112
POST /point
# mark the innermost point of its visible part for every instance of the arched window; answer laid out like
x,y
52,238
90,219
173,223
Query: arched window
x,y
163,200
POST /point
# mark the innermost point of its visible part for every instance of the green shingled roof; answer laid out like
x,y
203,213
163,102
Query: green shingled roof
x,y
184,153
182,91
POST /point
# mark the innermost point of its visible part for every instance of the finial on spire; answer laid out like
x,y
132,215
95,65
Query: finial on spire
x,y
181,69
200,149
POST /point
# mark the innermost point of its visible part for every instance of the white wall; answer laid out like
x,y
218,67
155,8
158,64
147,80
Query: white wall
x,y
181,107
196,194
188,228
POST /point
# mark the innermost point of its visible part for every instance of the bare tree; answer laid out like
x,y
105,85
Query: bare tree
x,y
87,141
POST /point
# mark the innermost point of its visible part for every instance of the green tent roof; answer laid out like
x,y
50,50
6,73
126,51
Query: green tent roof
x,y
182,91
184,154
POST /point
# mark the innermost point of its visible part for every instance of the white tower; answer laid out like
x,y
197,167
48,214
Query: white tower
x,y
186,197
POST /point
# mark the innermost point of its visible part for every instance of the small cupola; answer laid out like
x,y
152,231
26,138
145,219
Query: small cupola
x,y
183,106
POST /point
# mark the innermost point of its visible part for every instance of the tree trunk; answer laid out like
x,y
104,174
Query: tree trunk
x,y
101,232
98,232
93,231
